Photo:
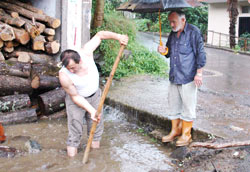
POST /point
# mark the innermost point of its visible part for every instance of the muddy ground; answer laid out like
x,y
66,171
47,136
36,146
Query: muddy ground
x,y
202,159
145,153
211,160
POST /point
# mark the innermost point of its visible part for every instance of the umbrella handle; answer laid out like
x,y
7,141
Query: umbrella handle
x,y
166,52
161,44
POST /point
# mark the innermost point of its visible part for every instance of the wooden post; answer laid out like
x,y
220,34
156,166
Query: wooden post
x,y
212,37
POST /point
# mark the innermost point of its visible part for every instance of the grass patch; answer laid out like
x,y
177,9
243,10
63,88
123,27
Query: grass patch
x,y
141,60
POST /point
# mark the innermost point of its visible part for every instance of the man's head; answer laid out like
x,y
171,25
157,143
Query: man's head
x,y
177,20
71,60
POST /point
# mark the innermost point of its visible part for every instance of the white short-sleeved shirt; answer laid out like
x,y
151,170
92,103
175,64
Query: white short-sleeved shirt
x,y
88,84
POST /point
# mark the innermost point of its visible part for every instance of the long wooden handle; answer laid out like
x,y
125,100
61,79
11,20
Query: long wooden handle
x,y
104,94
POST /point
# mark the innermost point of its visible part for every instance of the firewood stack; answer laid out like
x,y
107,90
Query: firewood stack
x,y
27,68
23,24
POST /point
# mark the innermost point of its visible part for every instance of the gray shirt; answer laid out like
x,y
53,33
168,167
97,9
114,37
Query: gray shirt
x,y
186,54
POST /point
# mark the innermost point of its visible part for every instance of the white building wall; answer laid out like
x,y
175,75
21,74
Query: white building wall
x,y
74,23
218,22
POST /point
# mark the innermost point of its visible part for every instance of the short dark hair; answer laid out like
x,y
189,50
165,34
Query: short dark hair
x,y
180,13
69,54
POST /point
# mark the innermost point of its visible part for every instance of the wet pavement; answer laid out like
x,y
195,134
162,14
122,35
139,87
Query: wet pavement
x,y
223,106
123,148
223,110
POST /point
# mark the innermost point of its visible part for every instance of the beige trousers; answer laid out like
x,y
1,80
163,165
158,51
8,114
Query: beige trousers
x,y
182,101
76,117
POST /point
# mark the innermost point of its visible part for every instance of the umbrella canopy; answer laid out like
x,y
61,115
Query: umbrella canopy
x,y
147,6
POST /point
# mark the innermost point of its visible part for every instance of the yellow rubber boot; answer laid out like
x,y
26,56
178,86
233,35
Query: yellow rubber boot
x,y
175,131
186,137
2,136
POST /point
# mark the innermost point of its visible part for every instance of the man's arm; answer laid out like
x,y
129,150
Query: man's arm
x,y
200,58
199,51
70,89
91,45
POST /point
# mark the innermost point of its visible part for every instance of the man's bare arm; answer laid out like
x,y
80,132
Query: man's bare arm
x,y
70,89
91,45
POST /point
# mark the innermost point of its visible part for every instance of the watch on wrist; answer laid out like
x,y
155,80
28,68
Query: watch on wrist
x,y
199,74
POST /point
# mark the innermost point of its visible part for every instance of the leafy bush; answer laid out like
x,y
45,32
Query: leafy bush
x,y
141,61
142,24
153,20
197,16
242,40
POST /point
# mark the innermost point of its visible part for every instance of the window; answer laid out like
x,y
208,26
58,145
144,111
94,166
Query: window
x,y
245,9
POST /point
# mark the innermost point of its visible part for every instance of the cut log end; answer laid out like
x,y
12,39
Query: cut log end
x,y
23,57
8,50
14,14
49,38
8,44
49,31
38,43
52,47
6,32
35,82
54,23
22,36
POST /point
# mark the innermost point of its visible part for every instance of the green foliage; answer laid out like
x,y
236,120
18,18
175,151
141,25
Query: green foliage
x,y
141,59
140,130
236,49
241,43
110,5
154,140
142,24
197,16
152,19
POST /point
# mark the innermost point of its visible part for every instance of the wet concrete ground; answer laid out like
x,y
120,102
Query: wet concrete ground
x,y
123,148
223,110
223,101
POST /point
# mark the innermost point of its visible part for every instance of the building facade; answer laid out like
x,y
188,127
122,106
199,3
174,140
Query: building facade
x,y
218,21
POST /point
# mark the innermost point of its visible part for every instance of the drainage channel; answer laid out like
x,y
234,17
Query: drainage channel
x,y
124,147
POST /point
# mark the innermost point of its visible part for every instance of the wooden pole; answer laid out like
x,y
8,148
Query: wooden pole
x,y
99,109
220,145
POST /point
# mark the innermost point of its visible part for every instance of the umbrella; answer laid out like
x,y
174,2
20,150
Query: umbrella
x,y
149,6
145,6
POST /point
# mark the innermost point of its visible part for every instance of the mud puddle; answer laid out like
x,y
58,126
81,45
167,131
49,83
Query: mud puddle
x,y
123,148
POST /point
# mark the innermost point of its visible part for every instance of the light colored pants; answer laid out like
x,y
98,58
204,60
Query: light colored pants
x,y
182,100
76,116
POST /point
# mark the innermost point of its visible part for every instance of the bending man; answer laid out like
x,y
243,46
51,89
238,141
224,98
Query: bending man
x,y
79,77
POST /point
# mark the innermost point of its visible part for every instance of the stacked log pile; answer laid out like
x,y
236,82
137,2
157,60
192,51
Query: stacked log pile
x,y
27,68
24,25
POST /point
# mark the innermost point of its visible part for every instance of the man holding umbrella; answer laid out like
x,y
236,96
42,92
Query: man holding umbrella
x,y
187,58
